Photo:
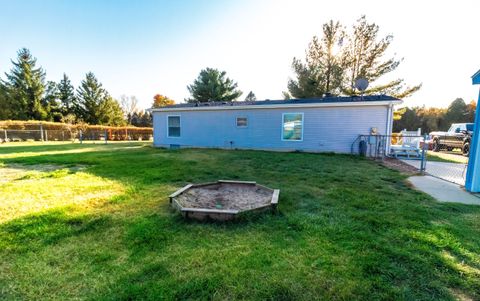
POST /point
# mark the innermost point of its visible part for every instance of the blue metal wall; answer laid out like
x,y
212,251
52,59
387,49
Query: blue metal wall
x,y
325,129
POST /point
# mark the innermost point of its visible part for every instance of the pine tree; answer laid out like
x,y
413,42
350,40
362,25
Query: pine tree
x,y
213,85
51,102
95,105
25,86
322,72
364,58
6,108
251,96
66,95
336,60
90,95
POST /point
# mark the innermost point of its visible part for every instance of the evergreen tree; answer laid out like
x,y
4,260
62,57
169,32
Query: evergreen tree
x,y
363,57
66,95
251,96
90,96
6,107
336,60
51,102
110,112
25,86
213,85
322,71
457,111
95,105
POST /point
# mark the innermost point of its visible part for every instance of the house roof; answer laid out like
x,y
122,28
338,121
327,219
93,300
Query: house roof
x,y
476,78
303,102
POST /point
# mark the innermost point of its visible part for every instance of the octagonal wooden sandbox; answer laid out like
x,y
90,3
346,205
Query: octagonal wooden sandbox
x,y
223,200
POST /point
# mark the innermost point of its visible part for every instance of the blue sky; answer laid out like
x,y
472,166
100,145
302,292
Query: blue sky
x,y
146,47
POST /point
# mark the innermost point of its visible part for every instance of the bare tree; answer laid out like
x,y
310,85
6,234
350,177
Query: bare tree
x,y
129,106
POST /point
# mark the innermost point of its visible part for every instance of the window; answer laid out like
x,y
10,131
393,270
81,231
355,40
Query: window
x,y
292,126
173,126
242,122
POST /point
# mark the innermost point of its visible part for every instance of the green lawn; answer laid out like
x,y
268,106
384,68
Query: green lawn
x,y
93,222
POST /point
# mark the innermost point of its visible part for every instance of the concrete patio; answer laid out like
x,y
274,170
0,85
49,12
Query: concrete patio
x,y
452,172
443,191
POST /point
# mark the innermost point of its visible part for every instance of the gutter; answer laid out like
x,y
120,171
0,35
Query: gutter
x,y
390,103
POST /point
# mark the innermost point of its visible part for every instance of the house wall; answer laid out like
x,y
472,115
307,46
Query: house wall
x,y
325,129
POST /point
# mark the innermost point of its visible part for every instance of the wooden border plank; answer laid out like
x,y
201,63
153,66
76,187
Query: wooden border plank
x,y
176,193
209,210
237,182
275,195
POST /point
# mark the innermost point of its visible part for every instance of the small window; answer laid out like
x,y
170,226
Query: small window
x,y
242,122
292,127
173,126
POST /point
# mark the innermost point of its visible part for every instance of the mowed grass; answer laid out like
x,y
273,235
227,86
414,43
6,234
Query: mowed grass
x,y
92,222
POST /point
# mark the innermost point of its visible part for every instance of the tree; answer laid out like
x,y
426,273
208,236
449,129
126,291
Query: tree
x,y
364,58
25,86
160,100
251,96
129,106
110,112
66,95
336,60
95,105
286,95
6,107
51,102
457,111
90,95
323,68
213,85
471,108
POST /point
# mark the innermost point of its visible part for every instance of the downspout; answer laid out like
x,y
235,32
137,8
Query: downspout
x,y
389,128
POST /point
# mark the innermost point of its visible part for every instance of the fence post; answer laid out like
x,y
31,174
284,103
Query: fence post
x,y
46,135
423,163
81,136
63,136
6,137
106,137
41,131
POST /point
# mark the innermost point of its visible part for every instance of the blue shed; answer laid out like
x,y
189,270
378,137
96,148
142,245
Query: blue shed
x,y
328,124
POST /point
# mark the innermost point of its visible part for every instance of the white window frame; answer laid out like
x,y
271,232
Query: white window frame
x,y
241,126
282,123
168,127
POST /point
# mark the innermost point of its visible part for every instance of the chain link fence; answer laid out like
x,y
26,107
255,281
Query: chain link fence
x,y
445,158
10,135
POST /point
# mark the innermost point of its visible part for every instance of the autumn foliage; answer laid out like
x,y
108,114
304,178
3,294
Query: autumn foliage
x,y
161,101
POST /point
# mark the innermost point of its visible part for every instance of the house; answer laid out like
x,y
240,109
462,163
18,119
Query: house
x,y
328,124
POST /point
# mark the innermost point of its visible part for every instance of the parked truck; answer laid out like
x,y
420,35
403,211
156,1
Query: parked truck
x,y
458,136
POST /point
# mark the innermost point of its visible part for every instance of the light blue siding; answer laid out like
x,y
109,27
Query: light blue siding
x,y
325,129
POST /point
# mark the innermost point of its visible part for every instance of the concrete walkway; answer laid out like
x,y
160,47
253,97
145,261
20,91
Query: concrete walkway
x,y
443,191
452,172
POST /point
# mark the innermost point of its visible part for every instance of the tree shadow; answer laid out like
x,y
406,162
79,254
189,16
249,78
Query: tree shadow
x,y
345,231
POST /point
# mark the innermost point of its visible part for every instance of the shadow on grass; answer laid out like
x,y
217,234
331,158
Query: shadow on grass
x,y
345,231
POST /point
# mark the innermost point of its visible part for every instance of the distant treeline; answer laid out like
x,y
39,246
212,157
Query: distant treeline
x,y
26,95
434,119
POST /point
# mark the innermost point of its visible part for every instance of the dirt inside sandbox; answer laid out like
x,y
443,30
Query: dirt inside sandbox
x,y
226,196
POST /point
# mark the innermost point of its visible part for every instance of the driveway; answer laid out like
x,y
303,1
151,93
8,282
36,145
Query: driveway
x,y
452,172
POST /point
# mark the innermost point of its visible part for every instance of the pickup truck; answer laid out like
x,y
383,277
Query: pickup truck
x,y
457,136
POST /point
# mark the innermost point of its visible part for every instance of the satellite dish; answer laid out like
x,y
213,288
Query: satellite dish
x,y
361,84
